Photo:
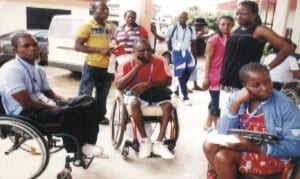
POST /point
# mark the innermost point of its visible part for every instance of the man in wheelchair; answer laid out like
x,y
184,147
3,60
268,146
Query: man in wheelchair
x,y
25,91
259,108
144,80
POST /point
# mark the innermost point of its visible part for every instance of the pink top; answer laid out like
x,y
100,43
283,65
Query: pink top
x,y
216,64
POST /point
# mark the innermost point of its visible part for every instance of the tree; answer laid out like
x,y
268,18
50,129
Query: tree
x,y
210,17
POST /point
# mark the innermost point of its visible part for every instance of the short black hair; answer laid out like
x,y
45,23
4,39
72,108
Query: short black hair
x,y
252,66
253,7
128,11
93,6
17,36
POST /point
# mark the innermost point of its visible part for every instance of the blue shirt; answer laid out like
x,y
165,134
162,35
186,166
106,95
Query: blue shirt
x,y
18,75
282,118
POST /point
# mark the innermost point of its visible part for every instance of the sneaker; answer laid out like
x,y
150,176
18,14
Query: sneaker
x,y
175,98
145,148
187,102
90,150
160,149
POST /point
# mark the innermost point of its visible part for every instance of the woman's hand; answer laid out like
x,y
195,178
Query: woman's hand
x,y
205,84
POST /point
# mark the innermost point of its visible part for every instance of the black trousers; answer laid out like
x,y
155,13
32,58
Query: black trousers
x,y
77,117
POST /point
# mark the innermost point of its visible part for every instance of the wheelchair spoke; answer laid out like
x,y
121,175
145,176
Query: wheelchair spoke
x,y
21,163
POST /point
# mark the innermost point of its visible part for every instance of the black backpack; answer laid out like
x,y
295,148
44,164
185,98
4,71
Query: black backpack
x,y
170,48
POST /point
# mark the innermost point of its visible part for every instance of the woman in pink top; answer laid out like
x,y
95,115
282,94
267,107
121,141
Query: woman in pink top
x,y
214,56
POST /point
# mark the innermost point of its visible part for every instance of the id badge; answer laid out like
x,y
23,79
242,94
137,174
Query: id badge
x,y
177,45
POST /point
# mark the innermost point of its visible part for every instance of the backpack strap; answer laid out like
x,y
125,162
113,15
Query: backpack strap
x,y
173,31
191,31
175,27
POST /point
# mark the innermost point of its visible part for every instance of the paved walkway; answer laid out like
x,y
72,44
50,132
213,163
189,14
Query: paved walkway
x,y
189,163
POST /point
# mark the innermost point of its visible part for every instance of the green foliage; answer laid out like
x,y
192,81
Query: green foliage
x,y
210,17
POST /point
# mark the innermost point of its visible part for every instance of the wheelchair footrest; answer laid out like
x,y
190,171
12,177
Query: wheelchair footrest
x,y
78,160
133,144
170,143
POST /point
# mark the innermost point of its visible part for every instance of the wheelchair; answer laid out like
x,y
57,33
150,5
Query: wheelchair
x,y
121,117
26,147
292,90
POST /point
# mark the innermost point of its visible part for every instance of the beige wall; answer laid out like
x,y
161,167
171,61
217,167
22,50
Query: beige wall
x,y
143,8
13,13
281,16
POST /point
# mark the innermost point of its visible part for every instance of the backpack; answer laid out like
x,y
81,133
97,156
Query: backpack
x,y
169,43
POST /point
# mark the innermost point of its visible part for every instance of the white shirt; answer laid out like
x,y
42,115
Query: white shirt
x,y
283,72
182,37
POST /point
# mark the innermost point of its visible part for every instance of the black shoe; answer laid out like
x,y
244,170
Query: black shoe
x,y
105,121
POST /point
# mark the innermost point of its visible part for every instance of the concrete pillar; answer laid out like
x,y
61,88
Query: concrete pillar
x,y
146,13
281,16
296,27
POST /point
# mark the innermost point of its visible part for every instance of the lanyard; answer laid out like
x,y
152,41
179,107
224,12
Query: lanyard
x,y
137,78
183,34
32,78
247,121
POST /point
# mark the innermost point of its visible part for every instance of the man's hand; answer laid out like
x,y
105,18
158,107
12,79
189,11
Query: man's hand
x,y
106,52
153,28
139,88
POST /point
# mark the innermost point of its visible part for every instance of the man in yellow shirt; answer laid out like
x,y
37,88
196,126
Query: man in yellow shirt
x,y
93,38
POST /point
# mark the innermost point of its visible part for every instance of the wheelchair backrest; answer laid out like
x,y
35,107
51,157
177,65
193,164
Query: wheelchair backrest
x,y
292,90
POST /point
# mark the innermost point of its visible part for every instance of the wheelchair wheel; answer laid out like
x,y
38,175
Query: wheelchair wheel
x,y
172,132
54,144
22,164
117,123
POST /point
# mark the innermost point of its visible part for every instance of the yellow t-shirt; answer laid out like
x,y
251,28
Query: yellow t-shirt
x,y
97,36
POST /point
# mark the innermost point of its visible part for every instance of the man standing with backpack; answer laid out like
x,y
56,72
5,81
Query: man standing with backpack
x,y
181,42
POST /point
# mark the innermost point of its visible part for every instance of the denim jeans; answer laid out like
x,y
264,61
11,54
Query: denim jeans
x,y
101,80
214,103
183,79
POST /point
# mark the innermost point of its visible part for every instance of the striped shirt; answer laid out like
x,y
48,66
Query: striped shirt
x,y
126,36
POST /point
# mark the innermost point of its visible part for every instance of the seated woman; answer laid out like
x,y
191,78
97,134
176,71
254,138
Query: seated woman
x,y
257,107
